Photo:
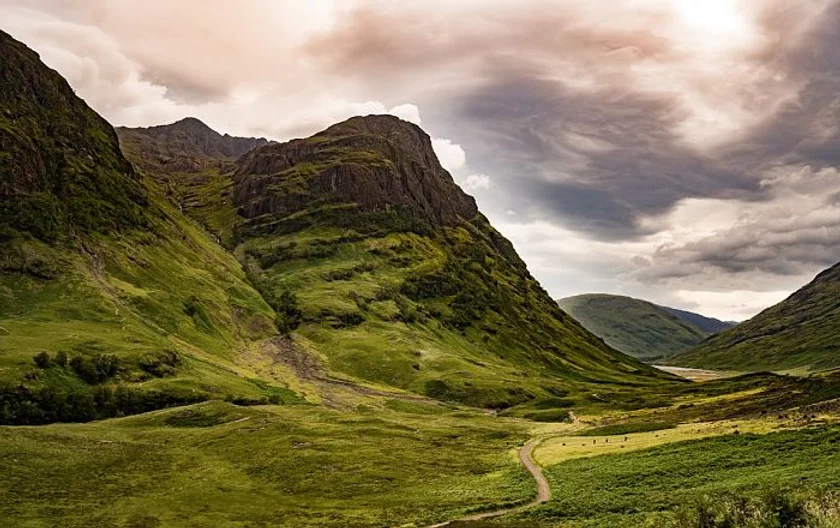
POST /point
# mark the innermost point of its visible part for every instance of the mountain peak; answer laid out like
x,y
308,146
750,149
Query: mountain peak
x,y
187,145
374,163
190,123
377,124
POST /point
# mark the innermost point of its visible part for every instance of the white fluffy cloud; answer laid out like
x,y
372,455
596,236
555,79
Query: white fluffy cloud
x,y
450,154
475,182
407,112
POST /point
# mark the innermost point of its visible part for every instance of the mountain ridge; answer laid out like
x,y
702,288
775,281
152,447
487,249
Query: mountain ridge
x,y
187,145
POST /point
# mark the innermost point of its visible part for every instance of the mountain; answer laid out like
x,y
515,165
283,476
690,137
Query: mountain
x,y
187,145
61,169
802,332
710,325
366,248
338,268
639,328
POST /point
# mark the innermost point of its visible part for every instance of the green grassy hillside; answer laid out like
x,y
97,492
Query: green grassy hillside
x,y
633,326
801,332
112,300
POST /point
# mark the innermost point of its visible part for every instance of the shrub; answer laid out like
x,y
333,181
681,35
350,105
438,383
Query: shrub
x,y
772,509
61,359
42,360
161,364
288,313
96,369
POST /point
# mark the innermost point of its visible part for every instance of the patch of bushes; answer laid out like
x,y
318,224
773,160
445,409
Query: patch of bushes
x,y
549,415
95,369
27,406
161,364
288,313
489,398
339,275
341,319
42,360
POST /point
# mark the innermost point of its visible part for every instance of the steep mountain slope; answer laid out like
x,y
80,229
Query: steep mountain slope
x,y
801,332
100,276
710,325
386,271
633,326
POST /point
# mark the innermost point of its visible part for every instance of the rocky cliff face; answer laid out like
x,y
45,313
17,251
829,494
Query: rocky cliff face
x,y
187,145
61,167
372,163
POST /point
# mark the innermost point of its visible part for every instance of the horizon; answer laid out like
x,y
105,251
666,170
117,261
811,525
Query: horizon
x,y
680,155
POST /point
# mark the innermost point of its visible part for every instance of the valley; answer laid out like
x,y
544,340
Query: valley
x,y
201,330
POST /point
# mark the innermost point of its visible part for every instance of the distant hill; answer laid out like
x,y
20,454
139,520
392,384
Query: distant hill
x,y
801,332
639,328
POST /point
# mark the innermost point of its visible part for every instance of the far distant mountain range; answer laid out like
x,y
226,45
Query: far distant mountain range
x,y
640,328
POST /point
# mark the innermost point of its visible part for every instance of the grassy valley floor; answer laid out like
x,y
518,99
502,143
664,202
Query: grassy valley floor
x,y
218,465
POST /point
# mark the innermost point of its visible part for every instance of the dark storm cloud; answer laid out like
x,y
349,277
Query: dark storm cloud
x,y
597,161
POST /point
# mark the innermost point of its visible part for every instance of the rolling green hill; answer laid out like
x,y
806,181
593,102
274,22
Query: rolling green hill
x,y
636,327
349,257
801,332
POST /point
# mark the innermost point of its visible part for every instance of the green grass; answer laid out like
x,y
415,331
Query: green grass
x,y
217,465
626,489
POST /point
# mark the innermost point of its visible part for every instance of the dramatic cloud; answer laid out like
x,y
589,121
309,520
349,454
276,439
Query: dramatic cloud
x,y
677,150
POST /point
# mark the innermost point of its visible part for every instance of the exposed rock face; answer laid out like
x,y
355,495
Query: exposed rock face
x,y
187,145
61,168
375,162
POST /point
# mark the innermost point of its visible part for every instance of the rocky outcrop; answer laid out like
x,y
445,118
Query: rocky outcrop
x,y
375,162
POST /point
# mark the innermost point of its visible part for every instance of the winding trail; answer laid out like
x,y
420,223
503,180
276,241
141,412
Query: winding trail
x,y
526,457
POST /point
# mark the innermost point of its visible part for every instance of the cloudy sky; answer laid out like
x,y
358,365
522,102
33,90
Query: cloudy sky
x,y
682,151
